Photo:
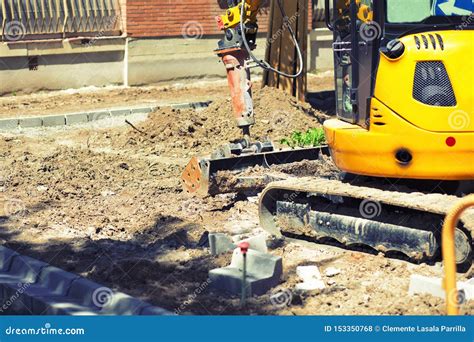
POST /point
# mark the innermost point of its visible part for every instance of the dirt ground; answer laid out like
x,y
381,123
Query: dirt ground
x,y
85,99
107,203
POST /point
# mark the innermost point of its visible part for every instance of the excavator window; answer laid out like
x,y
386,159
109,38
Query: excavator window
x,y
348,104
422,11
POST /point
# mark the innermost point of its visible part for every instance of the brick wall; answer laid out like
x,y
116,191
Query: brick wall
x,y
172,18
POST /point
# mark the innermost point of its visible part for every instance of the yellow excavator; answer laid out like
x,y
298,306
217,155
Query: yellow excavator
x,y
403,136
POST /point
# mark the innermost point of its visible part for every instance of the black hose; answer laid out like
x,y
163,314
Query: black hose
x,y
264,64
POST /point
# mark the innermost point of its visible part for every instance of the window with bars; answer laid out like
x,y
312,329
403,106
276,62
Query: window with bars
x,y
40,19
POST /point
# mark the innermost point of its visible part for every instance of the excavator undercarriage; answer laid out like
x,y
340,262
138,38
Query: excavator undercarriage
x,y
404,104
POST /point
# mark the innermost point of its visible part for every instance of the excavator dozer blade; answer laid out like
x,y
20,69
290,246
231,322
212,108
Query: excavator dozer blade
x,y
200,175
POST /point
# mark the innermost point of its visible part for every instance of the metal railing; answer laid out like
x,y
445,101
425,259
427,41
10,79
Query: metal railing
x,y
449,253
35,19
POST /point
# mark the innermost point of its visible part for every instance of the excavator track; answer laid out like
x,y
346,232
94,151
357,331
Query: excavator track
x,y
408,222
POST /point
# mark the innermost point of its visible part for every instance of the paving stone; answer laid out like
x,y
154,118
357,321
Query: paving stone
x,y
22,270
17,304
31,122
332,271
263,272
141,110
120,112
154,311
54,120
51,306
6,257
99,115
56,280
258,242
220,243
310,285
122,304
29,286
77,118
84,291
9,124
434,286
308,273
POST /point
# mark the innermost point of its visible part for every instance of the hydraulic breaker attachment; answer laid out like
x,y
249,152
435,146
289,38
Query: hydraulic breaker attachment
x,y
200,176
238,77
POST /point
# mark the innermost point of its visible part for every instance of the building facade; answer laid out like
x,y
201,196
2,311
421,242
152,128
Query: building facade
x,y
62,44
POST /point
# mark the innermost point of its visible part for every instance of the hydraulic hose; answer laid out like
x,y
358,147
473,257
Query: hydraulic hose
x,y
264,64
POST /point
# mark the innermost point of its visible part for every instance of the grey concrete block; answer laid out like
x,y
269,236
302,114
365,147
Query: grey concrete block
x,y
84,291
51,281
6,257
99,115
122,304
220,243
29,286
258,242
31,122
72,119
51,306
191,105
434,286
22,270
16,304
54,120
15,300
120,112
9,124
55,280
141,110
263,272
154,311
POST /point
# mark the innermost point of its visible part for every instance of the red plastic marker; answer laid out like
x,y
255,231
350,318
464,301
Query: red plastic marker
x,y
244,247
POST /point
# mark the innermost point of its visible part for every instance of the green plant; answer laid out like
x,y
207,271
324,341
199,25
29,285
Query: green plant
x,y
313,137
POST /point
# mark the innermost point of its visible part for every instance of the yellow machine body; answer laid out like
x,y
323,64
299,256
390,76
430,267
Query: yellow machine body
x,y
232,17
435,142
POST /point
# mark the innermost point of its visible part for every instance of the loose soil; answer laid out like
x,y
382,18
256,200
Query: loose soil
x,y
107,203
93,98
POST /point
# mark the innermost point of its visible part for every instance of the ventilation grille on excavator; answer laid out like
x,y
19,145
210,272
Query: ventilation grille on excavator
x,y
432,85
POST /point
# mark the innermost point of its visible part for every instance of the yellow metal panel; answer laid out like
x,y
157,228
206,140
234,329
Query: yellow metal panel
x,y
394,85
372,152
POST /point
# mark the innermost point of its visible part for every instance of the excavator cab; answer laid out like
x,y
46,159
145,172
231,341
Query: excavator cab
x,y
404,88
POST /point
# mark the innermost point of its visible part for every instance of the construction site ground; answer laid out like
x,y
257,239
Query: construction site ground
x,y
104,200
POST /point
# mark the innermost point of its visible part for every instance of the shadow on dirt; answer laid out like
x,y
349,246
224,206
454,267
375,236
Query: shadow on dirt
x,y
166,264
324,101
